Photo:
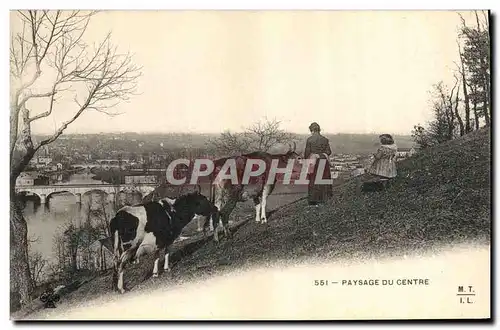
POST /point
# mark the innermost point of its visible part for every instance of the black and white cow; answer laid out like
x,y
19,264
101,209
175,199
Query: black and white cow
x,y
152,227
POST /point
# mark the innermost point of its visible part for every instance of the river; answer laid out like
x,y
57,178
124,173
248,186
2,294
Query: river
x,y
45,221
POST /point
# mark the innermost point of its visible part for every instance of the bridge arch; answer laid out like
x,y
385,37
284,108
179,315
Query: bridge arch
x,y
49,196
104,196
96,190
24,192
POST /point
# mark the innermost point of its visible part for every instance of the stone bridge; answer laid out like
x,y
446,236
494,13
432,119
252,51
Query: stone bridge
x,y
44,192
100,166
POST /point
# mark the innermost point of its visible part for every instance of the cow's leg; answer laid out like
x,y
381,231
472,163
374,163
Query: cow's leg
x,y
116,261
265,193
217,216
200,221
216,235
209,221
157,259
140,252
166,265
257,201
126,256
224,216
214,222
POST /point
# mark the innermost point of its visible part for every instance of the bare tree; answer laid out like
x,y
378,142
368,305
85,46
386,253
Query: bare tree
x,y
37,266
266,134
442,127
455,109
461,70
49,46
475,57
230,143
261,136
37,262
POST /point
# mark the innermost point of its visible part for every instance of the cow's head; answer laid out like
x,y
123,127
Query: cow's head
x,y
197,190
291,153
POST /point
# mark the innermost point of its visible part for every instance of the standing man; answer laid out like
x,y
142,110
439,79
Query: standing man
x,y
318,147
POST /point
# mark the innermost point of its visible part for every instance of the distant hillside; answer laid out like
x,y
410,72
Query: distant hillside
x,y
139,143
344,143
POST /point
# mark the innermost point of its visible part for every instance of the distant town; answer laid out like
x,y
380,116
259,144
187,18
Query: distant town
x,y
131,158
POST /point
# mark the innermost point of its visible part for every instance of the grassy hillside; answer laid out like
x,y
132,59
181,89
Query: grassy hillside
x,y
441,195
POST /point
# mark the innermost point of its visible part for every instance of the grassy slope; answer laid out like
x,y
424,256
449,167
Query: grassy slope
x,y
441,195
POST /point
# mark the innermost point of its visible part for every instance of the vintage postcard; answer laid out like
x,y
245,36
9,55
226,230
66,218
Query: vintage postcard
x,y
250,165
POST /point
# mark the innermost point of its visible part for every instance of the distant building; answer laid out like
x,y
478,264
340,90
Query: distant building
x,y
26,179
44,160
154,157
132,179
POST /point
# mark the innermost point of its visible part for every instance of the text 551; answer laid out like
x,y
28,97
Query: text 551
x,y
320,282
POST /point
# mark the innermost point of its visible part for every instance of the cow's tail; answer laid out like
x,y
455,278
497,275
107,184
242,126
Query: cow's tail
x,y
211,194
214,216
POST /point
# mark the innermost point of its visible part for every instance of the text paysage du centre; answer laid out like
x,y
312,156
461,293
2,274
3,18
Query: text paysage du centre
x,y
397,281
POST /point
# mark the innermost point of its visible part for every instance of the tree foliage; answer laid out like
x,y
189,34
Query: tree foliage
x,y
452,110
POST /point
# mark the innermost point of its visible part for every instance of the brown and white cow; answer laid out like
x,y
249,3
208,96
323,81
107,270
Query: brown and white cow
x,y
225,193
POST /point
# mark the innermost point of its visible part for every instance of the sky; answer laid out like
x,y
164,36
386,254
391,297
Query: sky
x,y
210,71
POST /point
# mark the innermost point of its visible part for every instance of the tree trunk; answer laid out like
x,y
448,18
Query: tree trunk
x,y
466,98
20,275
486,106
21,280
476,115
457,114
74,253
450,117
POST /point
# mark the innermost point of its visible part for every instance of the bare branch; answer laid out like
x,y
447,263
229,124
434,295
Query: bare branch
x,y
486,19
53,40
477,21
29,96
64,125
48,112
